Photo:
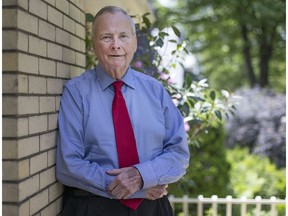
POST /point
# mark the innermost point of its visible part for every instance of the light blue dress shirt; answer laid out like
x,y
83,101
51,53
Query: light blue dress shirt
x,y
86,146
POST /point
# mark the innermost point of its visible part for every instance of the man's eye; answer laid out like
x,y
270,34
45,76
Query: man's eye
x,y
123,36
106,38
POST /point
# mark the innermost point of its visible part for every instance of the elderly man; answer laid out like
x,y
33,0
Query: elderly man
x,y
121,139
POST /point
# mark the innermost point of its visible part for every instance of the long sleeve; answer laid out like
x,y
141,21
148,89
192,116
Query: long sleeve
x,y
170,165
72,168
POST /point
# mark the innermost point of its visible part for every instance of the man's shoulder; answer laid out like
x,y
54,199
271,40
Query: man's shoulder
x,y
139,76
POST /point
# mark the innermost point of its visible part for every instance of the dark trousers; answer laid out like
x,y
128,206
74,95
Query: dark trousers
x,y
81,203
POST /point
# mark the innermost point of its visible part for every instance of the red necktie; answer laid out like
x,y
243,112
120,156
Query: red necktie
x,y
125,140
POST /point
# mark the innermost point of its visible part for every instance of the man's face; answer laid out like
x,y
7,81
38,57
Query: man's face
x,y
114,43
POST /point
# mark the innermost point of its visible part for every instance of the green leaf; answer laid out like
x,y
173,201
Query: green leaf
x,y
159,42
218,114
188,80
146,21
176,31
173,41
212,95
89,17
163,34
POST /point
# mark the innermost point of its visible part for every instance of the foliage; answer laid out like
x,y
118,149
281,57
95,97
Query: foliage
x,y
259,125
200,105
208,172
253,175
240,41
90,56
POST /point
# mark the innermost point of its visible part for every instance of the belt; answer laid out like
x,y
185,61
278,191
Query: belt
x,y
77,192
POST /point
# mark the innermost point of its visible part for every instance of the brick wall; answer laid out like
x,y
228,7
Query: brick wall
x,y
43,46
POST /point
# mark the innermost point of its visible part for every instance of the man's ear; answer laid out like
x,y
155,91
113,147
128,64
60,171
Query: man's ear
x,y
135,43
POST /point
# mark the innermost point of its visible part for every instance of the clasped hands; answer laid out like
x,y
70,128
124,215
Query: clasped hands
x,y
128,180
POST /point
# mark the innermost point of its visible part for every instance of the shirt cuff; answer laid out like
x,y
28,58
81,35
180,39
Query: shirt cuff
x,y
148,175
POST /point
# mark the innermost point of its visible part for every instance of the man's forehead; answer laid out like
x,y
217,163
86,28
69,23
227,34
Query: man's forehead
x,y
112,14
109,23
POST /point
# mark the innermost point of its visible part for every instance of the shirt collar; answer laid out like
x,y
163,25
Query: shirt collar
x,y
105,80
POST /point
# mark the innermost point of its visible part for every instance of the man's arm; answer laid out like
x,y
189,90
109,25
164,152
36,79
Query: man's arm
x,y
71,168
170,165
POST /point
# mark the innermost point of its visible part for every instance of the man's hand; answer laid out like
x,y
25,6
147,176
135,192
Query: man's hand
x,y
127,182
156,192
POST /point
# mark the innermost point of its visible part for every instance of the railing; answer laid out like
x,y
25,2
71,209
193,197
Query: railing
x,y
214,201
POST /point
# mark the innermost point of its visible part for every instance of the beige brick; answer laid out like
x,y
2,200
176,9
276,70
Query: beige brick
x,y
69,24
9,2
47,104
47,177
62,70
47,31
76,13
75,71
80,30
28,105
22,3
55,191
38,163
51,157
63,5
47,141
20,105
47,67
51,2
38,202
50,210
75,42
14,83
9,149
17,149
80,4
10,192
28,146
54,86
80,59
12,127
27,63
54,51
69,56
62,37
9,61
22,41
38,8
24,209
29,187
9,105
9,17
9,40
27,22
52,121
37,85
16,210
55,17
58,99
37,46
37,124
15,40
59,205
15,170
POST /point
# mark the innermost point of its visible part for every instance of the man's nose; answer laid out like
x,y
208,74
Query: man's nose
x,y
115,43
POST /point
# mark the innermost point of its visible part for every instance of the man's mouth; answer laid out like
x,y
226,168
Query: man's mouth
x,y
116,55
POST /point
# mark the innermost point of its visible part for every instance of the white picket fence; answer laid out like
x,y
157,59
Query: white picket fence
x,y
214,201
